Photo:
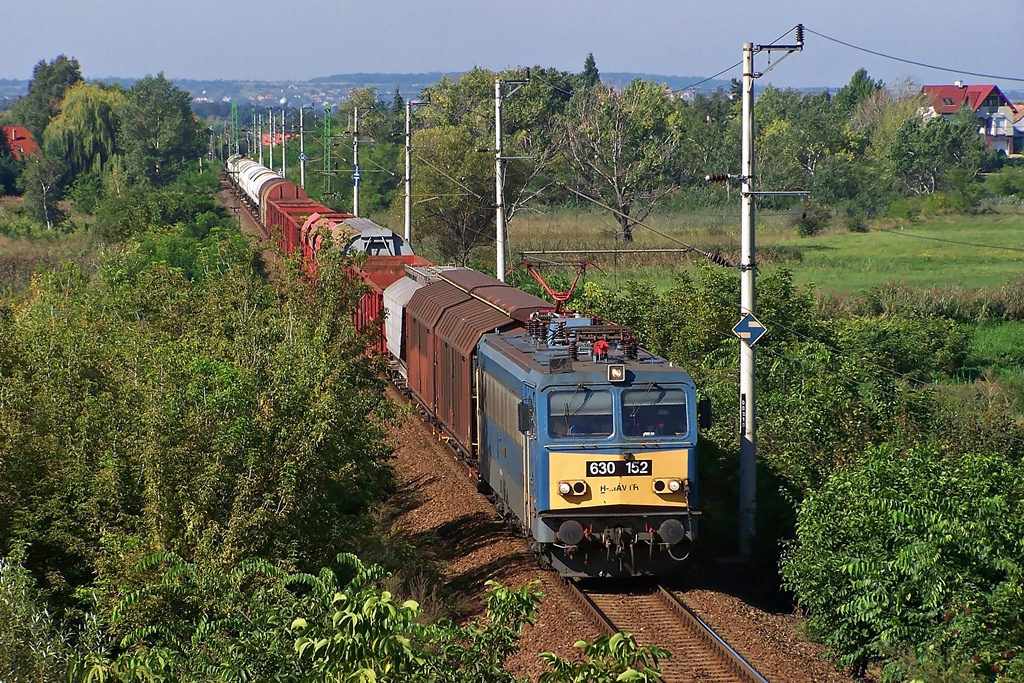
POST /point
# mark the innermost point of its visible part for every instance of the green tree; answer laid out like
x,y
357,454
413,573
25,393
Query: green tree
x,y
50,80
33,647
257,622
886,560
42,183
922,152
457,185
158,132
84,133
621,149
859,89
590,75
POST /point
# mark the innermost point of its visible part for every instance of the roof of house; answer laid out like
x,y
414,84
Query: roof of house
x,y
20,142
947,99
1018,112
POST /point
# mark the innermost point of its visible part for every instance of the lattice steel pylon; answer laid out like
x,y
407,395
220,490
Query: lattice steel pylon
x,y
327,148
234,128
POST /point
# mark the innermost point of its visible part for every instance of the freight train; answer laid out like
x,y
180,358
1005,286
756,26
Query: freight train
x,y
585,442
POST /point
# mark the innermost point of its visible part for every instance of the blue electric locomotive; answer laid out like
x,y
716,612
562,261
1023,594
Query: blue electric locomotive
x,y
595,458
587,443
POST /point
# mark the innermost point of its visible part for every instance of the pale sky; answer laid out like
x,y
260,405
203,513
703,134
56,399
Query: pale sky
x,y
300,39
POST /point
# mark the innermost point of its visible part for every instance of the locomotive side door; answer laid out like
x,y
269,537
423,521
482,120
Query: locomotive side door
x,y
528,434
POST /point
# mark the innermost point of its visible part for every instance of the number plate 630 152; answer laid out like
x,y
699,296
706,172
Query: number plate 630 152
x,y
618,468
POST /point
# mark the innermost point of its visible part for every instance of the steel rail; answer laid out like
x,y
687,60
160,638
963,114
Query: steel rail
x,y
715,641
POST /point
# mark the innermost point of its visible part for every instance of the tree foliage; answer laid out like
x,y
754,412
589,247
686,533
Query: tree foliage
x,y
620,149
84,133
179,419
887,557
50,81
456,189
159,133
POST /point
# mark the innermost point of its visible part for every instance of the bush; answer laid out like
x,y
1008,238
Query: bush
x,y
1009,182
812,220
915,551
32,646
854,220
86,192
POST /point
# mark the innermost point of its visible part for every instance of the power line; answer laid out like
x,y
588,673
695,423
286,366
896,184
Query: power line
x,y
717,259
711,78
910,61
942,239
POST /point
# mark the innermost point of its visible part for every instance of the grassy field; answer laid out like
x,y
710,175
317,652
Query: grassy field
x,y
964,251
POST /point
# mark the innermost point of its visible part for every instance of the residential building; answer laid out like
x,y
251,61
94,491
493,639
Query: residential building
x,y
994,112
20,142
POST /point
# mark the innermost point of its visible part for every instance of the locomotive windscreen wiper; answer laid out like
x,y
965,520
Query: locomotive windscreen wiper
x,y
569,403
636,408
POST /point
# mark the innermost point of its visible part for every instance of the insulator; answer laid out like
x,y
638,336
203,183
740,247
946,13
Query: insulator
x,y
800,34
720,260
597,320
717,177
574,350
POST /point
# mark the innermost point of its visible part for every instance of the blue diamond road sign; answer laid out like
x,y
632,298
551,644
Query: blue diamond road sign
x,y
302,157
749,329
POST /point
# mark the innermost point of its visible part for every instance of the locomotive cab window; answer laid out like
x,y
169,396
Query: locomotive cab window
x,y
654,411
579,412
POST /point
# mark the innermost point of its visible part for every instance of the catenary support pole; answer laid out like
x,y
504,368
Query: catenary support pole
x,y
284,148
302,152
408,171
499,200
355,161
748,437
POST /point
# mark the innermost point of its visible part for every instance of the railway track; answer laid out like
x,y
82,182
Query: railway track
x,y
657,616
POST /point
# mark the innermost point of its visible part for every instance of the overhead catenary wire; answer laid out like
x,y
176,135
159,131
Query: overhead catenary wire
x,y
913,62
949,241
717,259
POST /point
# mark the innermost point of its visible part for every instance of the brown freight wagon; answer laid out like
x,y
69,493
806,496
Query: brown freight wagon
x,y
423,311
445,322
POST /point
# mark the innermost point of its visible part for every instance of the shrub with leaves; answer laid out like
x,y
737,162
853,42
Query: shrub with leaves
x,y
257,623
33,647
607,659
914,550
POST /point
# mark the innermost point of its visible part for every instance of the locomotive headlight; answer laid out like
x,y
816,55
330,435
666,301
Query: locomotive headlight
x,y
674,485
564,488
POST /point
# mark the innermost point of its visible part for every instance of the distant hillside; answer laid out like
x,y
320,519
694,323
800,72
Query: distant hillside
x,y
211,94
621,78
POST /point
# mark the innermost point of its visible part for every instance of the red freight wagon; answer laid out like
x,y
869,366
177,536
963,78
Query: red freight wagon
x,y
379,272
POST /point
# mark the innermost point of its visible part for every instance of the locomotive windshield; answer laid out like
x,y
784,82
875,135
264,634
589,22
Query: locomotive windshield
x,y
580,412
654,411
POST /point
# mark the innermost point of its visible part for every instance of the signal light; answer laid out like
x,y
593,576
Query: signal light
x,y
666,486
572,488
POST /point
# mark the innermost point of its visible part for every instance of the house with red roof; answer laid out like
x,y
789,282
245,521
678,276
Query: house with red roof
x,y
994,112
20,142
